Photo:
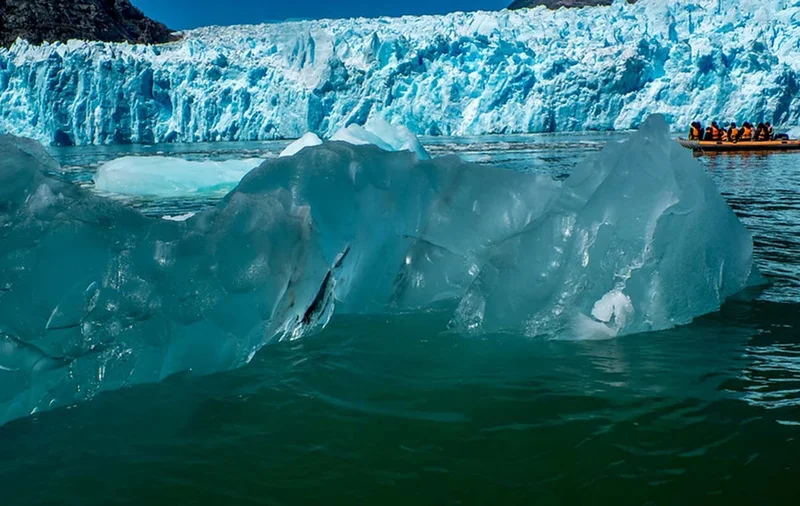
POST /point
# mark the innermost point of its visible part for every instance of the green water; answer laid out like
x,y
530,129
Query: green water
x,y
396,410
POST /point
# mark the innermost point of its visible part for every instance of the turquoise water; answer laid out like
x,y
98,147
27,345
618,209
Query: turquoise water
x,y
395,410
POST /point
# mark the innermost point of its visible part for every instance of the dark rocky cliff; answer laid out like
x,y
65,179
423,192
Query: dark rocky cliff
x,y
555,4
61,20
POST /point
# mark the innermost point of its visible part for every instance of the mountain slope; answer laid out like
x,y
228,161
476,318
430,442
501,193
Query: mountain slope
x,y
60,20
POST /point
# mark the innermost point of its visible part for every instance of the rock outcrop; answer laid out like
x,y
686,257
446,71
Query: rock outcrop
x,y
38,21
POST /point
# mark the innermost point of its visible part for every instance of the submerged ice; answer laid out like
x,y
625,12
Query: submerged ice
x,y
95,296
461,74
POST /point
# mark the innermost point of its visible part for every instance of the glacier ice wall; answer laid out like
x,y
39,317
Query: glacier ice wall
x,y
95,296
460,74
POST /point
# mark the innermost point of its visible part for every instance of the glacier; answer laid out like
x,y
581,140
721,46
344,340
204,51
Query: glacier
x,y
460,74
95,296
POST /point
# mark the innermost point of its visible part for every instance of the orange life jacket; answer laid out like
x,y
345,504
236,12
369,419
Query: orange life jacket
x,y
733,134
715,132
694,133
747,133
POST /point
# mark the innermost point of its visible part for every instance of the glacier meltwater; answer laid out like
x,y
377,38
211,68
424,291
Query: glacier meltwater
x,y
461,74
95,296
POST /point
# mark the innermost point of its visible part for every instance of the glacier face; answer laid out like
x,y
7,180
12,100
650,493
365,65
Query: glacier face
x,y
460,74
95,296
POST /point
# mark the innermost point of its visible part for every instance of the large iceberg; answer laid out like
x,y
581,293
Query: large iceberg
x,y
461,74
95,296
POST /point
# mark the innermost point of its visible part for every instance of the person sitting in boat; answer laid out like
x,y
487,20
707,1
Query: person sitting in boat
x,y
709,134
761,133
746,133
733,133
770,131
716,131
695,131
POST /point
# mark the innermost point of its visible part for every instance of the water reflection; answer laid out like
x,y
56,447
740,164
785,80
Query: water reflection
x,y
763,190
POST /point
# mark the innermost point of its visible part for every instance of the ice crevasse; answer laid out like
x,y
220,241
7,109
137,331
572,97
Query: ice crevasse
x,y
95,296
530,70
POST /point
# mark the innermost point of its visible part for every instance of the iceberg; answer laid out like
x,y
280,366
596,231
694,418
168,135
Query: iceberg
x,y
308,140
531,70
164,176
380,133
95,296
377,132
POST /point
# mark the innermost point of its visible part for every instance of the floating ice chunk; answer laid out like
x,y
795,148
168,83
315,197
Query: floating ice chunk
x,y
636,239
309,139
178,217
399,137
169,177
360,136
379,132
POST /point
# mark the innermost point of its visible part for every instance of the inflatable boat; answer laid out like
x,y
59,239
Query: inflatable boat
x,y
724,146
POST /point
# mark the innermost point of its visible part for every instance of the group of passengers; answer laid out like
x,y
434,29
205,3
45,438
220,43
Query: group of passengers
x,y
761,132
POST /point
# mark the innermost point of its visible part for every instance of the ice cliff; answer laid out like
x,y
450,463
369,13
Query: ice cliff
x,y
512,71
95,296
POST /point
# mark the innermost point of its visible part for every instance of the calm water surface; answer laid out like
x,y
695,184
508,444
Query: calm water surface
x,y
394,410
